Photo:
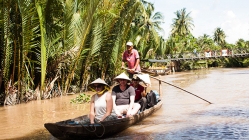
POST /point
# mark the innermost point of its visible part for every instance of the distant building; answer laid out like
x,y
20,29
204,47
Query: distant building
x,y
224,52
208,53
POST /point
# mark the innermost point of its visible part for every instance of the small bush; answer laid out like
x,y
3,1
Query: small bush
x,y
81,98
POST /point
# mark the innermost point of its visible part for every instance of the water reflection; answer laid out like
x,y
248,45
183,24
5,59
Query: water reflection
x,y
186,117
182,116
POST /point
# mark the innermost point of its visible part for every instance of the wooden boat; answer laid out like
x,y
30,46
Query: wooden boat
x,y
156,72
68,129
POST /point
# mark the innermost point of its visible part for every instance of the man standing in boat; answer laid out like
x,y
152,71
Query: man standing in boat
x,y
131,56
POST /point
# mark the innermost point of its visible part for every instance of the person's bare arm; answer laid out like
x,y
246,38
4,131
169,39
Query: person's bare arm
x,y
123,64
92,112
137,62
143,93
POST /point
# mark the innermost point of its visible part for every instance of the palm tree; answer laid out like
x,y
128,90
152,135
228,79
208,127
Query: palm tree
x,y
153,21
219,37
241,43
181,31
182,24
145,29
205,42
247,44
162,49
6,49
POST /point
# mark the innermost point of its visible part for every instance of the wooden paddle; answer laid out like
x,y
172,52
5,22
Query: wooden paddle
x,y
171,85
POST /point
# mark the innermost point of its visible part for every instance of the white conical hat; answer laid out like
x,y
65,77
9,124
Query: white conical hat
x,y
143,77
99,81
122,76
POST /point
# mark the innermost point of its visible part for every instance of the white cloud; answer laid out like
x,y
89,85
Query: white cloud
x,y
230,14
194,13
234,28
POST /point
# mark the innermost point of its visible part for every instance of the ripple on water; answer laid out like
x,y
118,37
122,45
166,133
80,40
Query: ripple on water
x,y
208,132
230,111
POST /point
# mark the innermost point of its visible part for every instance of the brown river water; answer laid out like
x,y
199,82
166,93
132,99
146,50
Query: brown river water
x,y
182,116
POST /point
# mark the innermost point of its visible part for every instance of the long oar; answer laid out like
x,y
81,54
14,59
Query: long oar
x,y
173,86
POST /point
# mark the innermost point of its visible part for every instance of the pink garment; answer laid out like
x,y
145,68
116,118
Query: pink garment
x,y
131,59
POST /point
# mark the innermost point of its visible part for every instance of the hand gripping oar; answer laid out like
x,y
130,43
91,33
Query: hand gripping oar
x,y
171,85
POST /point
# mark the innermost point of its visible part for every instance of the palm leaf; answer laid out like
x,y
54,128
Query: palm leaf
x,y
83,30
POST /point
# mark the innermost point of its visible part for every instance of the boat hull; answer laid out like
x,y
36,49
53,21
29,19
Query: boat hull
x,y
66,130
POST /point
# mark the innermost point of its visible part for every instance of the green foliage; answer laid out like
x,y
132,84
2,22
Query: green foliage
x,y
219,37
246,62
79,40
82,40
182,24
81,98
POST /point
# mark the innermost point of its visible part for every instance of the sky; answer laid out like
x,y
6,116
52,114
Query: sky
x,y
232,16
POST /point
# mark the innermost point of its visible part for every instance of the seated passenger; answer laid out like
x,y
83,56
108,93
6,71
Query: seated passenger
x,y
140,93
123,96
101,104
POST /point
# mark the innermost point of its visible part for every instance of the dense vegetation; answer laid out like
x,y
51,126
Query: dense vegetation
x,y
49,47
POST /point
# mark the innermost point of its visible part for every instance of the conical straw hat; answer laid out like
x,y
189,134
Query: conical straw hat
x,y
122,76
144,77
99,81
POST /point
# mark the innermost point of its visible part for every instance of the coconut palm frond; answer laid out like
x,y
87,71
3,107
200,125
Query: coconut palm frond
x,y
127,10
84,28
7,42
30,33
182,24
40,6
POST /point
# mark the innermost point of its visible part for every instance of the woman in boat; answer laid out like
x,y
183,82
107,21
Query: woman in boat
x,y
101,105
123,96
140,92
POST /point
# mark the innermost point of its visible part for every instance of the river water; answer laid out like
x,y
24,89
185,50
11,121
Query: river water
x,y
182,116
